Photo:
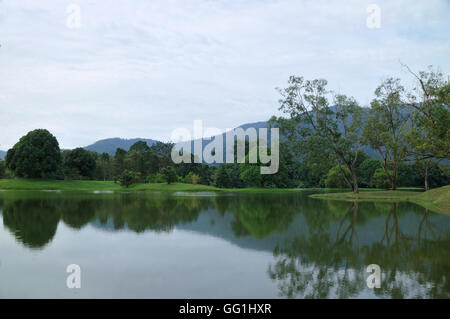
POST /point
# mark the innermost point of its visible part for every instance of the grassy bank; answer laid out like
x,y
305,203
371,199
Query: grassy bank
x,y
87,185
436,199
36,184
30,184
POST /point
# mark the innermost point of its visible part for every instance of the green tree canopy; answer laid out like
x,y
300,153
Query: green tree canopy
x,y
36,155
387,127
334,178
169,174
2,168
334,130
140,147
127,178
79,163
380,178
366,170
222,178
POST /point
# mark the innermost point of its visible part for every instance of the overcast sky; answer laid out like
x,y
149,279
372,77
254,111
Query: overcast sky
x,y
142,68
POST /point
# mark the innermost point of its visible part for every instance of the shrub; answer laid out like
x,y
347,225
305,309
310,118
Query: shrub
x,y
128,178
366,171
169,175
155,178
380,179
192,178
252,177
335,179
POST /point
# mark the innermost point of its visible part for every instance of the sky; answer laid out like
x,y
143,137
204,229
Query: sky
x,y
88,70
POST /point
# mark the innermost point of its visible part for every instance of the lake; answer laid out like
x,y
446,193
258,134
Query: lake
x,y
224,245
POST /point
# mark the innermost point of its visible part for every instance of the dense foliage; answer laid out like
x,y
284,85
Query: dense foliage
x,y
36,155
325,142
408,131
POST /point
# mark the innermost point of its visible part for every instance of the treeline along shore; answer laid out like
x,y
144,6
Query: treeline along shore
x,y
322,143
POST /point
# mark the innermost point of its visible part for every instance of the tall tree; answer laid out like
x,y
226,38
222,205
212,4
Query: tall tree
x,y
429,136
387,127
222,179
104,167
119,162
36,155
326,129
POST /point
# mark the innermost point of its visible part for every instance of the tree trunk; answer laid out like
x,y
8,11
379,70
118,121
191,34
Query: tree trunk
x,y
345,177
355,183
394,176
393,186
394,179
427,187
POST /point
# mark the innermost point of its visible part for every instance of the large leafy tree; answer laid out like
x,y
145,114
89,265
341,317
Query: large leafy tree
x,y
222,179
333,130
387,127
104,167
36,155
429,137
119,162
79,163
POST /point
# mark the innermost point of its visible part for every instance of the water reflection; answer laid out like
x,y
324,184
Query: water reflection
x,y
320,249
415,262
33,222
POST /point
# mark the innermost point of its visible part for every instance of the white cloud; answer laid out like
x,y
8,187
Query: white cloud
x,y
142,68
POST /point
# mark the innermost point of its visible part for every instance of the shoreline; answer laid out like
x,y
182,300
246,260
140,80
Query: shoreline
x,y
437,199
110,186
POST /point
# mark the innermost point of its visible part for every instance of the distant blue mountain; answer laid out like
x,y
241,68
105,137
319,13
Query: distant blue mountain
x,y
257,125
110,145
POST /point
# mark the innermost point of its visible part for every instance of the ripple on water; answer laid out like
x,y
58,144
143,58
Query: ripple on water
x,y
102,192
195,194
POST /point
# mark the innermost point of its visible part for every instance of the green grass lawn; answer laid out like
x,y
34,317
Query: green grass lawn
x,y
30,184
436,199
37,184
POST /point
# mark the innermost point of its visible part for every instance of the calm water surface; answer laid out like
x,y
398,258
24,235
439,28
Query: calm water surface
x,y
203,245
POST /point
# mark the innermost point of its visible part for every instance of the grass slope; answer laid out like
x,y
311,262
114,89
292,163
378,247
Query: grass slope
x,y
30,184
436,199
37,184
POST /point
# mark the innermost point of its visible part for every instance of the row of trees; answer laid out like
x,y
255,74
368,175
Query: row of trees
x,y
37,155
401,125
322,144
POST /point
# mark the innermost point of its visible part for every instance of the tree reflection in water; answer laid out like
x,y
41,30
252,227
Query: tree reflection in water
x,y
322,248
315,266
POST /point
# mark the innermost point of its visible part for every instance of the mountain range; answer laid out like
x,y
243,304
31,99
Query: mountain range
x,y
111,144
